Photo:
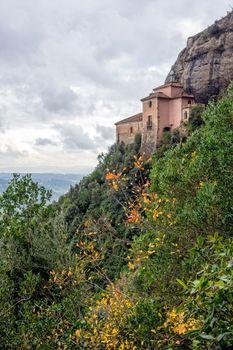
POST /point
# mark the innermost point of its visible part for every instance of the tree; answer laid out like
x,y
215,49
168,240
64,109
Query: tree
x,y
28,251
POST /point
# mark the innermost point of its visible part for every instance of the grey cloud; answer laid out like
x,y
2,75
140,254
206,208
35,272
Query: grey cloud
x,y
104,48
57,100
2,124
131,36
106,133
44,142
10,155
21,31
75,138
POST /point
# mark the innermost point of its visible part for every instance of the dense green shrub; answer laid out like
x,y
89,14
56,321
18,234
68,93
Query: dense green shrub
x,y
209,298
195,118
121,263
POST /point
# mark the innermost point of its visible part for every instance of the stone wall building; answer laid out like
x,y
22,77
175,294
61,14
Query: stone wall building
x,y
162,110
128,128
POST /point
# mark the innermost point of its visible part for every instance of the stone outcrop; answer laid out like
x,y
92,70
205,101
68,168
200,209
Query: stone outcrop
x,y
205,66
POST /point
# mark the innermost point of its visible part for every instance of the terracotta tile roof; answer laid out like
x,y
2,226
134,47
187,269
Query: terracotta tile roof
x,y
168,84
161,94
155,94
132,119
148,97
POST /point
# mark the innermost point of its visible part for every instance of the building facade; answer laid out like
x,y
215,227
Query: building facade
x,y
162,110
128,128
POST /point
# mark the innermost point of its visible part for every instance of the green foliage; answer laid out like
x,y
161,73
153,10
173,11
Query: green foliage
x,y
195,118
20,206
137,142
79,275
96,212
193,187
31,246
170,140
199,173
209,298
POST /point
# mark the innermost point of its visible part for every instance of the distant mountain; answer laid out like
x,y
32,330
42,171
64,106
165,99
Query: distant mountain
x,y
58,183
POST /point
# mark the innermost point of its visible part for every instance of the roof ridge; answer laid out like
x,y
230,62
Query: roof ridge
x,y
135,117
168,84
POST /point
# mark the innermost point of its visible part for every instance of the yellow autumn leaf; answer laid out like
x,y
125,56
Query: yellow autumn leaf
x,y
78,332
131,266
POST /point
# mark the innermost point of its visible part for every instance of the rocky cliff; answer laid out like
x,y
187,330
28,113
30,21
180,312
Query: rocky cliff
x,y
205,66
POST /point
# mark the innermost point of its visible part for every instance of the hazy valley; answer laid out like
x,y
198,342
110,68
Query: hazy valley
x,y
58,183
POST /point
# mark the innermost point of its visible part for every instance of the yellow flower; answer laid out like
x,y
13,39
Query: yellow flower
x,y
115,186
155,214
131,266
178,324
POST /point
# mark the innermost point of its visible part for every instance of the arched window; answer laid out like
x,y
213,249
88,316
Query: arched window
x,y
149,122
185,115
150,104
189,103
131,130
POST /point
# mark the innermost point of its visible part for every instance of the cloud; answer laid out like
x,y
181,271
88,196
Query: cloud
x,y
73,68
44,142
58,100
10,156
106,133
75,138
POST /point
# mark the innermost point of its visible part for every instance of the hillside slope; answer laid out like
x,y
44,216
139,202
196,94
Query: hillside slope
x,y
121,262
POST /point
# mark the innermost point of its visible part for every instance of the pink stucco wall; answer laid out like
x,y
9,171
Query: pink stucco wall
x,y
171,113
185,101
149,135
164,112
175,112
163,116
169,90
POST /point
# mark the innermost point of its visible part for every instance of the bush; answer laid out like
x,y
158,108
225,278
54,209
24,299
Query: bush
x,y
210,295
195,119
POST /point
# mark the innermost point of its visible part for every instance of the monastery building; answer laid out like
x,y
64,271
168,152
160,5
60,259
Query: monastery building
x,y
162,110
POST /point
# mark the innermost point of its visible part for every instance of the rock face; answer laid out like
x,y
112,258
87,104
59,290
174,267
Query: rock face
x,y
205,66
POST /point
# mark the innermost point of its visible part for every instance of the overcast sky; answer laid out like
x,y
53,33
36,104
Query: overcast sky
x,y
69,69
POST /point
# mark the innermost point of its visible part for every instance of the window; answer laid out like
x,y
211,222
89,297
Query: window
x,y
149,122
189,103
150,104
131,130
166,129
185,115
